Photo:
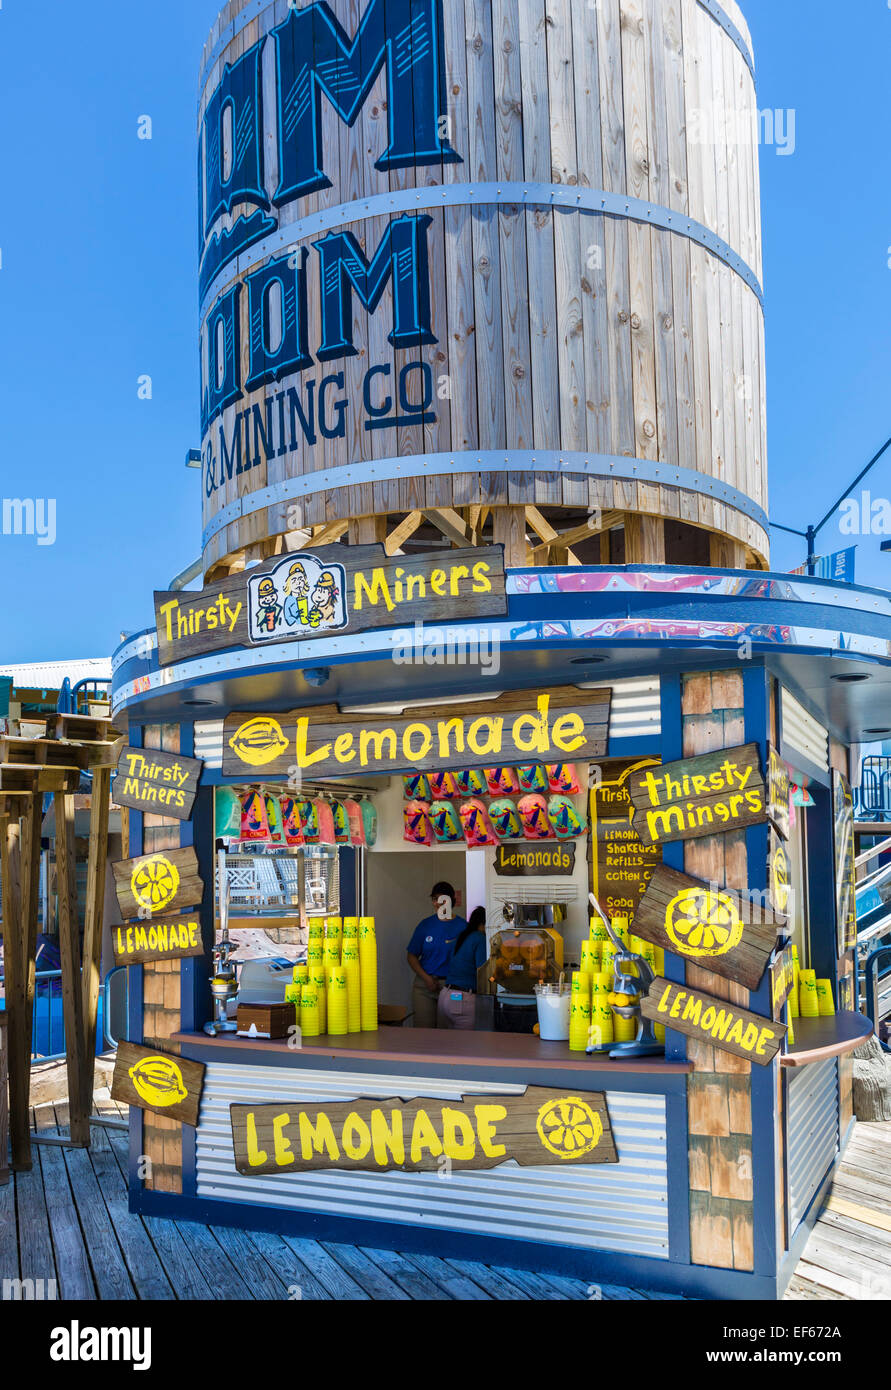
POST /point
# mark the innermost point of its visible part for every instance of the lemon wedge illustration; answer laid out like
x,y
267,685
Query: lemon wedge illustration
x,y
159,1082
155,882
259,742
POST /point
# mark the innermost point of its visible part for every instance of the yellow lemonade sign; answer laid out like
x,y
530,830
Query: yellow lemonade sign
x,y
540,1126
547,726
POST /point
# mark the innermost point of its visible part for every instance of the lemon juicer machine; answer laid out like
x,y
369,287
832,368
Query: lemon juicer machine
x,y
224,981
646,1044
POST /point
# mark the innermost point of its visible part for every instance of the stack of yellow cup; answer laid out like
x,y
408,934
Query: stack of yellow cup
x,y
351,928
607,960
601,1031
301,974
579,1011
619,925
331,953
292,996
597,930
333,933
590,961
316,929
825,1001
659,957
315,954
354,984
338,1002
807,990
309,1010
368,973
790,1035
320,980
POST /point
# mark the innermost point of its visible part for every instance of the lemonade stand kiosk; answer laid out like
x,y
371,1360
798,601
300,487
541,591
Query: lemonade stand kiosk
x,y
481,493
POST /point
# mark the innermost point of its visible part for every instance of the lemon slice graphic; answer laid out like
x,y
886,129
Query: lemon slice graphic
x,y
702,923
259,742
568,1127
155,882
780,871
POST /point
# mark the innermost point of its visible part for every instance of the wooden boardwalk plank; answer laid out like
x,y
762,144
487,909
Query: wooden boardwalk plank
x,y
214,1261
301,1284
139,1254
263,1279
533,1284
179,1264
408,1276
365,1271
73,1273
464,1289
327,1271
495,1284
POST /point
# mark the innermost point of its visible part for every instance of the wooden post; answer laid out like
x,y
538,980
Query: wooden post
x,y
19,1025
509,530
4,1105
32,825
367,530
92,953
69,951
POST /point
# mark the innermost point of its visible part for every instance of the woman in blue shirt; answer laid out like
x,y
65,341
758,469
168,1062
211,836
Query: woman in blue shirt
x,y
456,1007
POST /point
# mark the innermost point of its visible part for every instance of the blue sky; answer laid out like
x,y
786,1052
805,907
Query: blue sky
x,y
98,287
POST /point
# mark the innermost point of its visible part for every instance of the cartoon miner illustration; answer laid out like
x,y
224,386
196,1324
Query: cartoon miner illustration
x,y
270,609
297,596
324,599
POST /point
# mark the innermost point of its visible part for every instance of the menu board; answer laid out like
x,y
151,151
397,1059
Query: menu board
x,y
621,864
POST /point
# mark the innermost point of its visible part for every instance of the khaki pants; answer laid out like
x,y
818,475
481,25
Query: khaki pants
x,y
456,1008
424,1004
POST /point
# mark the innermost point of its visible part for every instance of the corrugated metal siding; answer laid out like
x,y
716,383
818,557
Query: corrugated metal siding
x,y
812,1102
803,732
621,1207
636,712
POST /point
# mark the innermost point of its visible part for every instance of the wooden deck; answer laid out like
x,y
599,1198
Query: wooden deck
x,y
67,1221
848,1256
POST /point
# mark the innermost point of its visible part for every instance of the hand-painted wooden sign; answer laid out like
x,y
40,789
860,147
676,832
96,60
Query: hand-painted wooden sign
x,y
158,883
778,793
699,796
159,1082
727,932
621,864
337,589
714,1021
845,871
779,876
161,938
541,1127
551,726
164,783
782,980
546,860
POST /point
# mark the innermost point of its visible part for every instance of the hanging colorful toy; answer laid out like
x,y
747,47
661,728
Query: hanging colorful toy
x,y
445,822
565,819
534,816
417,829
443,786
564,779
532,778
502,781
478,829
505,819
416,787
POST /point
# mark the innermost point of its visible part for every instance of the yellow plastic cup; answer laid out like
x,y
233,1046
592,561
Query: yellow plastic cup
x,y
579,1022
301,973
596,929
320,980
807,988
309,1010
350,928
338,1003
790,1036
619,925
825,1001
316,929
581,983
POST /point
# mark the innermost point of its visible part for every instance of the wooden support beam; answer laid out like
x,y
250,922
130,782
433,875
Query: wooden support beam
x,y
644,539
401,533
368,530
541,526
95,916
70,961
327,535
19,1015
509,530
449,522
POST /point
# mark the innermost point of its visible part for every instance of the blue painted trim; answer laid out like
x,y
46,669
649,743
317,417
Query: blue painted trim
x,y
532,461
201,1049
135,1002
671,695
678,1164
697,1281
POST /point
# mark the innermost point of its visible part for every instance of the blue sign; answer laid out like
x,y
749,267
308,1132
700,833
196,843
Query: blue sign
x,y
839,566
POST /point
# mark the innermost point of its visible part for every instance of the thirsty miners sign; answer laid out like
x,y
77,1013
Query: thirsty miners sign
x,y
339,589
540,1127
163,783
700,796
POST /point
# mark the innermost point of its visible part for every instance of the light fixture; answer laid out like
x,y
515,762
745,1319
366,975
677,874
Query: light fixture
x,y
317,675
851,677
877,733
588,660
196,703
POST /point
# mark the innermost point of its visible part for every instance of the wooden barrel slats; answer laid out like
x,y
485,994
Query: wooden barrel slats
x,y
578,360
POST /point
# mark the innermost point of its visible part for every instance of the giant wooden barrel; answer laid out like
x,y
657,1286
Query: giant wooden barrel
x,y
482,269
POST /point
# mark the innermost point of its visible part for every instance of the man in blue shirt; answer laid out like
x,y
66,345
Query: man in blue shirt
x,y
430,952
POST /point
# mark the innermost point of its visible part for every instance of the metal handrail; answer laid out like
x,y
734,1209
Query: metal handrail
x,y
109,1043
871,986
